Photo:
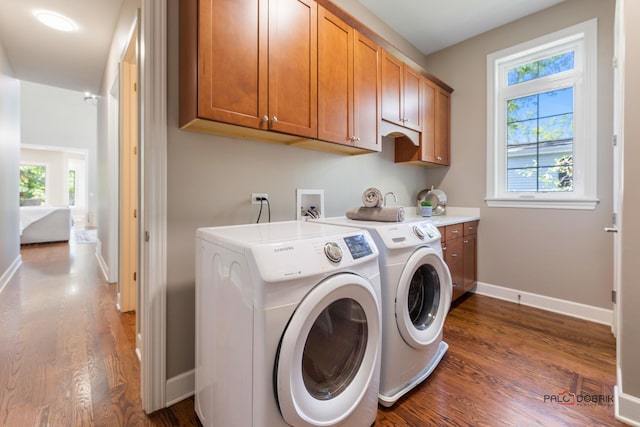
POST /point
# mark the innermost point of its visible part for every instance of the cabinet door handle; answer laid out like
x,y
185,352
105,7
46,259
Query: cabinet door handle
x,y
465,242
274,119
455,231
265,119
439,158
454,254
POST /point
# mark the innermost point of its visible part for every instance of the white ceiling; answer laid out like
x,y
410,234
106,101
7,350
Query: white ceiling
x,y
43,55
77,60
431,25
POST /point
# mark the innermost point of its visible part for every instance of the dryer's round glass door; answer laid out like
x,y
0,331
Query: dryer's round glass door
x,y
334,349
329,354
423,298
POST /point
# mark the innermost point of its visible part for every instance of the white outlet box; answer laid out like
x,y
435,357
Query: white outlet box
x,y
255,198
307,198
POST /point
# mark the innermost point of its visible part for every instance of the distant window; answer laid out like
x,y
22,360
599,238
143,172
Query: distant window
x,y
33,184
72,187
541,121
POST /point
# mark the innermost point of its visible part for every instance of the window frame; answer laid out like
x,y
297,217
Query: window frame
x,y
582,39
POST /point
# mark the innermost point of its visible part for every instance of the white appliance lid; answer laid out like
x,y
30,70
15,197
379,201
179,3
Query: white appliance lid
x,y
247,235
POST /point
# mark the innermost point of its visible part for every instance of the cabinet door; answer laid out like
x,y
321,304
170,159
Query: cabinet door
x,y
391,75
427,138
335,79
293,66
366,92
411,117
453,253
232,66
469,261
442,131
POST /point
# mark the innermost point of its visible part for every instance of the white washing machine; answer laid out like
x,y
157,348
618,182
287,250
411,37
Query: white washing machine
x,y
288,325
416,296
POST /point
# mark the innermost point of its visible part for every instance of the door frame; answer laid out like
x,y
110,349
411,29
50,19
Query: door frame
x,y
152,274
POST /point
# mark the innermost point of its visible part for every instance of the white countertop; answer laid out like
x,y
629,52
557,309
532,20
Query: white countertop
x,y
452,216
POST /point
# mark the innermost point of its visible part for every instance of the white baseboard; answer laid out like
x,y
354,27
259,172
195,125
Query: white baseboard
x,y
627,408
180,387
569,308
8,275
101,262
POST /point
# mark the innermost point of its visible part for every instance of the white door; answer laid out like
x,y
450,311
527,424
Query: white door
x,y
618,89
423,298
329,352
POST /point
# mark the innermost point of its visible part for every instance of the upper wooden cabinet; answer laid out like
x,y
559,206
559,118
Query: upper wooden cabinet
x,y
299,72
434,145
400,93
256,63
348,84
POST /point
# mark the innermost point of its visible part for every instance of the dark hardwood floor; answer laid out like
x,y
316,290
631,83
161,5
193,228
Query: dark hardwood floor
x,y
67,358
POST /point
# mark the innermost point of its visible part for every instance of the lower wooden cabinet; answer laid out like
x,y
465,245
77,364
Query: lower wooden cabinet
x,y
459,249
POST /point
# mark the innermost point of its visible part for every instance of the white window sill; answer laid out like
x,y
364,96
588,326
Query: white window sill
x,y
580,204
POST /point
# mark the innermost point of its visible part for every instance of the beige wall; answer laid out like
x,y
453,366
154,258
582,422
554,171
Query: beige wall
x,y
9,166
211,178
629,344
557,253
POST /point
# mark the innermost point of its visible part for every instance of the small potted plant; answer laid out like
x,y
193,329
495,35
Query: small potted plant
x,y
426,208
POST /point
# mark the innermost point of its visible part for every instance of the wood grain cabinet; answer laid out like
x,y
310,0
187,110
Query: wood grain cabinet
x,y
251,63
470,255
400,93
459,249
434,145
348,84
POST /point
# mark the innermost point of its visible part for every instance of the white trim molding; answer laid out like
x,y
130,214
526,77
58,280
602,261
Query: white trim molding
x,y
8,275
181,387
101,262
153,203
627,407
555,305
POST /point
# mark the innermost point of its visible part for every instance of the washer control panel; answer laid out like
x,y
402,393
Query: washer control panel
x,y
358,246
403,235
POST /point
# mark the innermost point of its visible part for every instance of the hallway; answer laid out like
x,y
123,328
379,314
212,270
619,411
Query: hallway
x,y
67,356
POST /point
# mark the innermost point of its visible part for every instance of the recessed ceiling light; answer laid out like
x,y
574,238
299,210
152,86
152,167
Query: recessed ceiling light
x,y
55,21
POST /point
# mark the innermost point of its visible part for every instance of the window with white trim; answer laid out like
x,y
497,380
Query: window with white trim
x,y
542,121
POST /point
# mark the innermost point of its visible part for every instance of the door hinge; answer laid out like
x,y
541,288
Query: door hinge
x,y
135,276
614,296
146,236
614,140
135,213
135,87
135,150
614,219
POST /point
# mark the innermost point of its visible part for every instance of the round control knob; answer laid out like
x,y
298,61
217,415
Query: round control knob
x,y
419,232
333,252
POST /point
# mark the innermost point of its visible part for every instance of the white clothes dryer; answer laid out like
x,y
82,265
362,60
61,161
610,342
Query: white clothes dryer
x,y
288,325
416,297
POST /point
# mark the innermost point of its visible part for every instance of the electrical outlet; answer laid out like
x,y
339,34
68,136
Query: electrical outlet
x,y
255,198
